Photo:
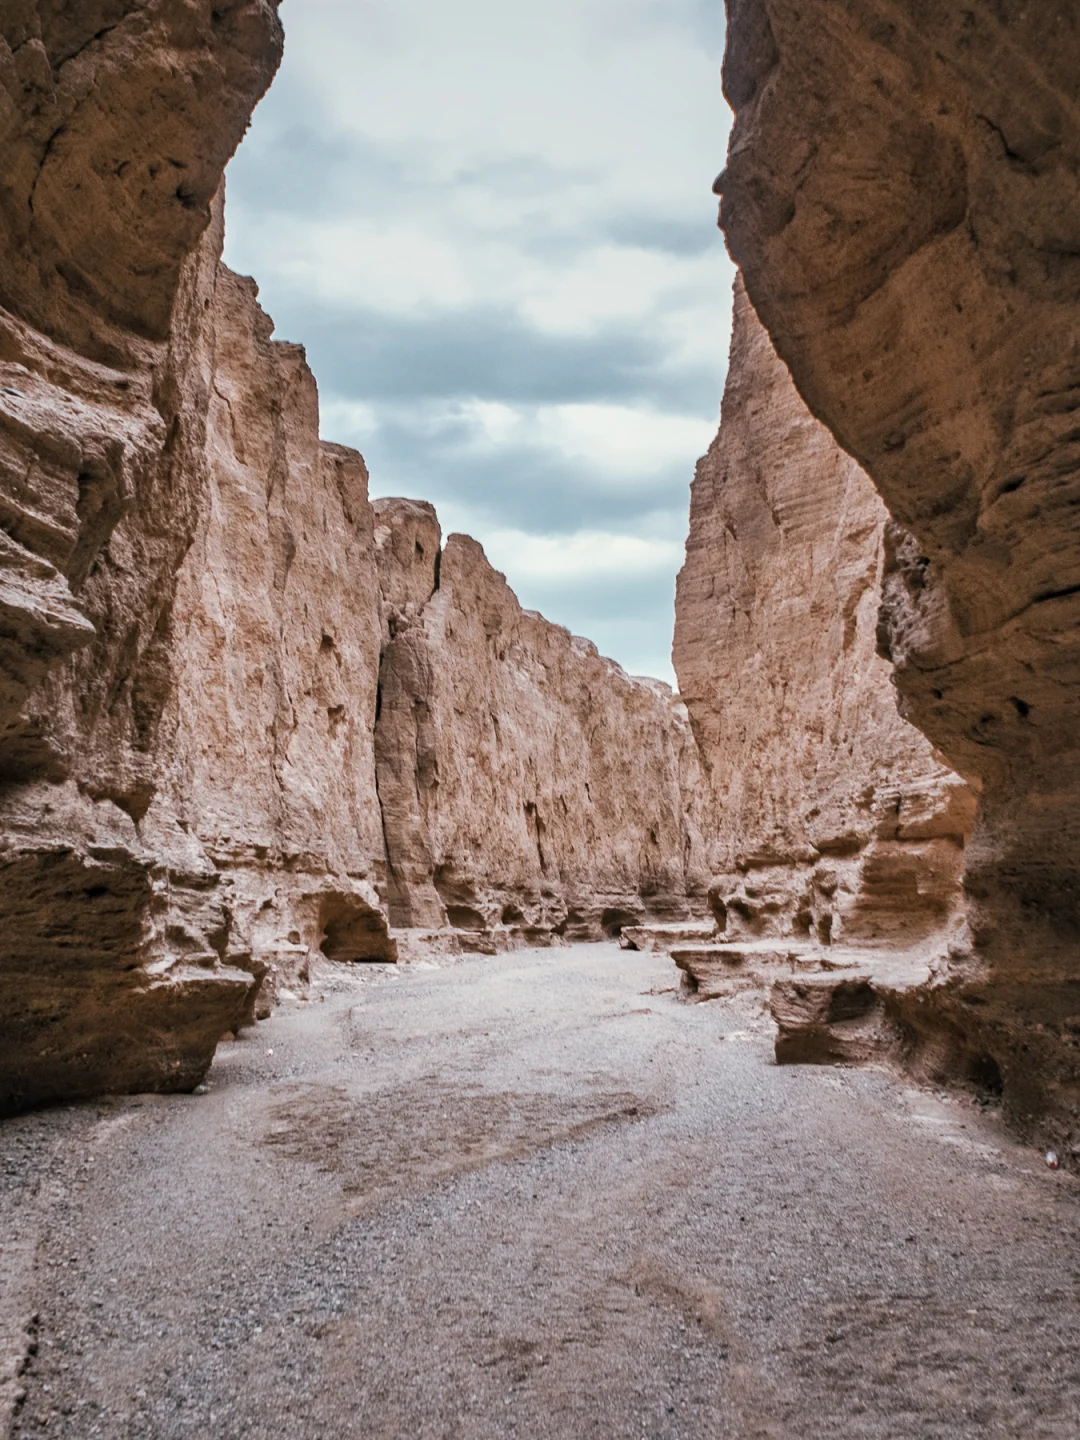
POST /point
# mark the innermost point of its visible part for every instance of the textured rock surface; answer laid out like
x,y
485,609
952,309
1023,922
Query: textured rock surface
x,y
194,606
269,731
530,788
835,821
116,123
903,195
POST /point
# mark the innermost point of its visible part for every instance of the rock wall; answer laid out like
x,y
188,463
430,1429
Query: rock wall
x,y
903,196
835,822
266,744
115,125
199,623
530,788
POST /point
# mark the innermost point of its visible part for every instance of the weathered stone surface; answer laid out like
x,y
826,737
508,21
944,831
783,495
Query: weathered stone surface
x,y
193,607
903,196
116,121
834,819
268,733
530,788
663,936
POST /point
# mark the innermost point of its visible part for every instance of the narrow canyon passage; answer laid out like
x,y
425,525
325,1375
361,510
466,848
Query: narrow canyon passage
x,y
535,1195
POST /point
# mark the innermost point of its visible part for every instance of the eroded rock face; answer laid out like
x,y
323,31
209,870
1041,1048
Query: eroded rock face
x,y
903,196
267,738
530,788
835,822
196,611
116,121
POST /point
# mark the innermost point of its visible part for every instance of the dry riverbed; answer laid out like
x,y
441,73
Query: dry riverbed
x,y
533,1196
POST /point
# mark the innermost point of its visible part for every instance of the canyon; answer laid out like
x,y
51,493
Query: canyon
x,y
573,1056
249,717
252,719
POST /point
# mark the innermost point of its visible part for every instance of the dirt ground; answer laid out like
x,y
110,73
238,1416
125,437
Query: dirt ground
x,y
534,1196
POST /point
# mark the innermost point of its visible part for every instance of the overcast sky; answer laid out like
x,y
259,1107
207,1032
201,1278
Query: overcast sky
x,y
491,225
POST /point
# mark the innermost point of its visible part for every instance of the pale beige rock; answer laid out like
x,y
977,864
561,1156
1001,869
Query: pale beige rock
x,y
835,820
530,788
194,606
115,124
268,733
903,195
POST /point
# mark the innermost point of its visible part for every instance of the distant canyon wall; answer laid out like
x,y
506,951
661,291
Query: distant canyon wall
x,y
530,788
835,821
903,196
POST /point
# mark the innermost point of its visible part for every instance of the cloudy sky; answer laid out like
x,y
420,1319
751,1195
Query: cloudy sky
x,y
491,225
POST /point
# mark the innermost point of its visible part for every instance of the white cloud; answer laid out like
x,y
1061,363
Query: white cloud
x,y
528,184
590,554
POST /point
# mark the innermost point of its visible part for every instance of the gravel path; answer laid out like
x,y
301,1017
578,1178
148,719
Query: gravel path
x,y
535,1196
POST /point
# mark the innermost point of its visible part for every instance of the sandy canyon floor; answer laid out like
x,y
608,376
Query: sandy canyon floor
x,y
535,1196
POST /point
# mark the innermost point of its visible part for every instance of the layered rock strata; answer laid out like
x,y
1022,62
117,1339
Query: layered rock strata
x,y
199,622
836,822
530,789
115,125
903,196
268,767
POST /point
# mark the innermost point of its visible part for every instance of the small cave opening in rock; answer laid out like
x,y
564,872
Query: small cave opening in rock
x,y
613,920
985,1074
852,1000
824,929
464,917
512,915
353,933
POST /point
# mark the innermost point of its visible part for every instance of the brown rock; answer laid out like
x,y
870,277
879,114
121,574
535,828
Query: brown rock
x,y
835,820
193,606
903,195
268,733
116,123
530,788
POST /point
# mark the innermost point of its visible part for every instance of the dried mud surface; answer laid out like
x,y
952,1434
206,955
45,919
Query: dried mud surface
x,y
538,1196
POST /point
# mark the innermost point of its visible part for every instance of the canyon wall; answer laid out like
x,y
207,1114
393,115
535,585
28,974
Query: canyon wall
x,y
115,125
530,788
215,653
835,822
266,752
903,196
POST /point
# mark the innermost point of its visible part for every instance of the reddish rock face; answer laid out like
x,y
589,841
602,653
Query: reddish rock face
x,y
903,196
835,821
530,788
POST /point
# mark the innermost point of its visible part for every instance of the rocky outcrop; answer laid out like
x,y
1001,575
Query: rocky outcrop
x,y
835,821
530,788
266,743
116,122
903,196
200,621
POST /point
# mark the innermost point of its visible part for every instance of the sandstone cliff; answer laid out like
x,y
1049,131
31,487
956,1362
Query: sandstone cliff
x,y
530,788
835,821
903,196
266,743
115,125
200,623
